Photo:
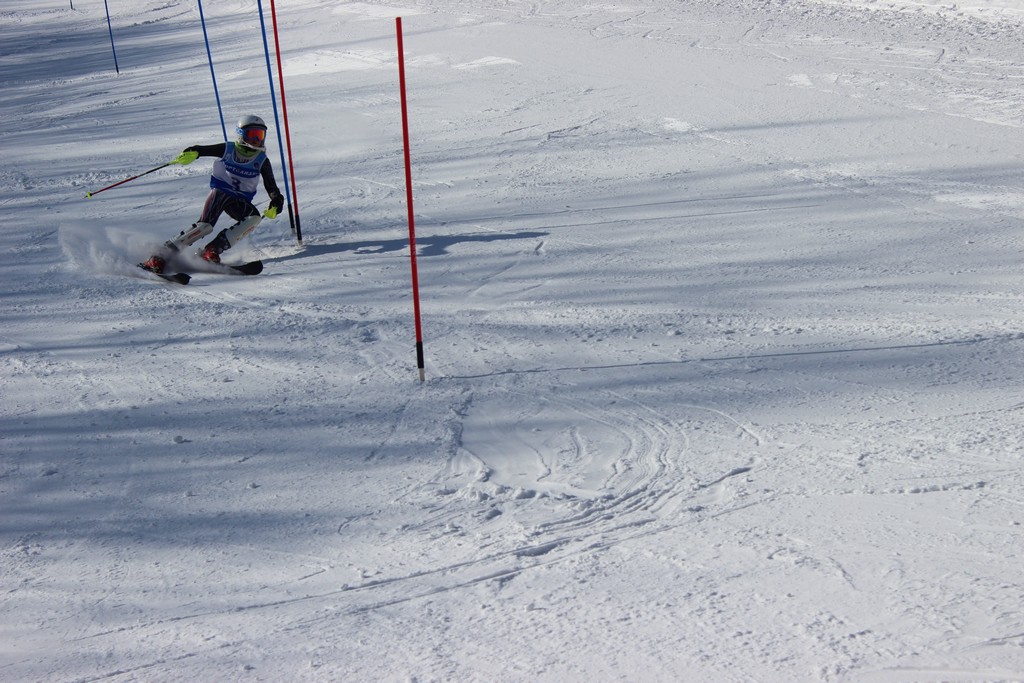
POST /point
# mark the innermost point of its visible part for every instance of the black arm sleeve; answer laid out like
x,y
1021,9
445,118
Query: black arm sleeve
x,y
208,150
267,172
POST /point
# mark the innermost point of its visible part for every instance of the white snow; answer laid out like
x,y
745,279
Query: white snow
x,y
723,317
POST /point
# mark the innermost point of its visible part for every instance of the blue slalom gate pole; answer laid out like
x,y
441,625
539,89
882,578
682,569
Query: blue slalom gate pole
x,y
209,56
111,30
277,121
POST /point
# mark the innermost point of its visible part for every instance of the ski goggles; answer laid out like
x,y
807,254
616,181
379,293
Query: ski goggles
x,y
253,136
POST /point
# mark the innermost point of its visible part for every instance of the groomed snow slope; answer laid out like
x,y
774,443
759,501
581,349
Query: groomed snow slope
x,y
724,326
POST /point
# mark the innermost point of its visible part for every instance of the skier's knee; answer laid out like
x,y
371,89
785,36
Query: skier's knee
x,y
239,230
191,235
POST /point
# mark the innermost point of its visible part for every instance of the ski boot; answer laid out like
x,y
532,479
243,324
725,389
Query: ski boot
x,y
213,250
157,262
154,264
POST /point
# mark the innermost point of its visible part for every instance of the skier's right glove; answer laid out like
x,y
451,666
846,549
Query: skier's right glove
x,y
186,157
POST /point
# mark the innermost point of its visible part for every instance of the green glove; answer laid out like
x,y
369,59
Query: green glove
x,y
276,204
186,157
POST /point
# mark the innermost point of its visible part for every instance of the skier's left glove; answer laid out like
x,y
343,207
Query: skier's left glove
x,y
276,204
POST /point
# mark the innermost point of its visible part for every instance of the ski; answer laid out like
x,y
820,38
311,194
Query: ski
x,y
176,278
181,278
250,268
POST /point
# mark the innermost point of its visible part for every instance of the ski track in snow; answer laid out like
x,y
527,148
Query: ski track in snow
x,y
723,326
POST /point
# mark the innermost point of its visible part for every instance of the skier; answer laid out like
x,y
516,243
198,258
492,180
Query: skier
x,y
233,184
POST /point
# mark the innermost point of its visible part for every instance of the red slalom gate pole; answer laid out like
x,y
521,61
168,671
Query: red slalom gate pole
x,y
287,128
408,200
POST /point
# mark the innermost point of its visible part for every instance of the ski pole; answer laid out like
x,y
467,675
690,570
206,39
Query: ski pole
x,y
184,158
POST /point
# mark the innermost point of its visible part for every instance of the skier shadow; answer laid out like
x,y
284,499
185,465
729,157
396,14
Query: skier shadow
x,y
435,245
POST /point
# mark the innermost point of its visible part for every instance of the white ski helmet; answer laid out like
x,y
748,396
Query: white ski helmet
x,y
251,132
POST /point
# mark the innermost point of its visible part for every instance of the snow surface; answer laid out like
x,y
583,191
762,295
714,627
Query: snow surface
x,y
724,326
